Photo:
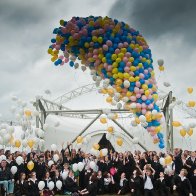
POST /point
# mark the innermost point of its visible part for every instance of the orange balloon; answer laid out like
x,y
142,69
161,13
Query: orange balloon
x,y
30,165
190,132
176,124
137,120
119,141
109,99
168,160
110,129
191,104
161,68
27,113
103,120
79,139
17,143
190,90
96,146
30,143
182,132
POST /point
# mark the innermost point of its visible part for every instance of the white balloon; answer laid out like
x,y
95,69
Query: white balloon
x,y
40,133
99,78
7,137
64,175
88,138
57,124
92,165
79,145
93,72
144,124
80,166
41,185
119,106
53,147
11,129
41,142
3,132
59,184
178,102
105,85
56,157
35,113
133,105
133,123
186,127
19,160
154,112
83,68
106,111
104,151
75,167
142,118
135,140
14,98
113,102
22,136
126,84
50,163
166,84
106,81
51,185
162,161
125,99
24,143
192,125
108,136
97,83
2,158
14,169
1,140
160,62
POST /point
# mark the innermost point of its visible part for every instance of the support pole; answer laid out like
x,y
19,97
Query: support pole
x,y
141,145
85,128
171,126
37,108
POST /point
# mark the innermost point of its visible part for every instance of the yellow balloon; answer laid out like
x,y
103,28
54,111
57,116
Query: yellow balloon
x,y
137,120
30,143
11,141
168,160
110,129
109,99
119,141
182,132
103,120
191,103
161,68
17,143
190,132
110,91
30,165
27,113
156,140
115,117
101,153
96,146
176,124
190,90
79,139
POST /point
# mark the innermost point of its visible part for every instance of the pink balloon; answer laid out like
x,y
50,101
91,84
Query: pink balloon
x,y
120,45
128,54
150,106
133,98
125,59
127,69
110,68
66,60
144,97
138,95
128,64
143,111
105,47
143,105
117,51
138,105
142,91
136,90
145,71
137,84
109,43
141,75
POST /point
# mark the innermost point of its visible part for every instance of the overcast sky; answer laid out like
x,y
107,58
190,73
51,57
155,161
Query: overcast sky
x,y
26,29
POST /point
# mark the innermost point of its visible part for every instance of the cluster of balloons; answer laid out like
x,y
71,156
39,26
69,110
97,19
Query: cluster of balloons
x,y
184,129
50,185
160,63
116,54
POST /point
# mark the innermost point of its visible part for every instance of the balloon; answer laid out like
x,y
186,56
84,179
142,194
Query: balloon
x,y
57,124
119,141
27,113
103,120
79,139
17,143
55,157
182,132
116,54
142,118
45,127
19,160
160,62
7,138
166,84
64,175
190,90
30,165
3,157
13,169
51,185
30,143
50,163
162,161
24,143
191,104
59,184
53,147
92,165
96,146
190,132
104,151
108,136
41,185
176,124
168,160
110,129
75,167
80,166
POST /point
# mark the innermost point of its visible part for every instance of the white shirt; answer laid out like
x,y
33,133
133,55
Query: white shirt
x,y
148,183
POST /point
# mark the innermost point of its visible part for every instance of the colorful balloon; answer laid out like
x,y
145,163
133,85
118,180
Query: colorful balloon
x,y
182,132
119,141
190,90
176,124
115,53
30,165
17,143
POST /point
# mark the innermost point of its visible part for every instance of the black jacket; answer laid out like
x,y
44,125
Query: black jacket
x,y
5,174
21,188
33,189
71,185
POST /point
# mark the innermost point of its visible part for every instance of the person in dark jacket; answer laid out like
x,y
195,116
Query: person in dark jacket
x,y
123,185
41,168
71,184
182,184
156,166
56,178
136,182
21,186
6,178
193,182
33,189
100,183
161,185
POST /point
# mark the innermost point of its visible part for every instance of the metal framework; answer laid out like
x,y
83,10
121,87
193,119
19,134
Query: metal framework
x,y
46,107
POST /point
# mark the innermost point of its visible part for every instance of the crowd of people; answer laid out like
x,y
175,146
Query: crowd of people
x,y
136,173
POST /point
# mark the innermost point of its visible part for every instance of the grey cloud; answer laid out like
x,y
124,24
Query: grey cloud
x,y
155,18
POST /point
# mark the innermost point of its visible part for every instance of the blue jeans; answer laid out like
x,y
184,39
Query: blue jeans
x,y
8,185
